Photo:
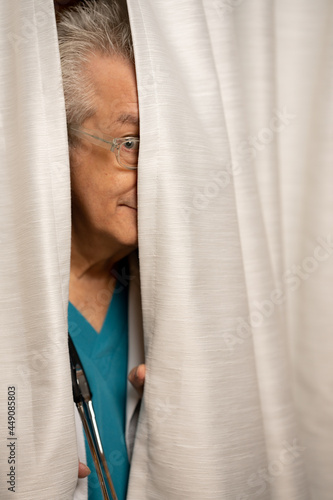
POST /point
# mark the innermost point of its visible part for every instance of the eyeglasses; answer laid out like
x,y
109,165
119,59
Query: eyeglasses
x,y
126,149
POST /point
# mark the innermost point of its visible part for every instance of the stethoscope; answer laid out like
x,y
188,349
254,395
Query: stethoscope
x,y
83,400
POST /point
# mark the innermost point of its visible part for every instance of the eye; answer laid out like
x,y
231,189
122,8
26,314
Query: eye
x,y
131,145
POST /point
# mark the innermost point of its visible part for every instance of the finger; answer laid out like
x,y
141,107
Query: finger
x,y
137,377
141,374
84,471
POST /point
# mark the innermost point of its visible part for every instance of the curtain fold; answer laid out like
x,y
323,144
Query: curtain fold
x,y
304,35
38,457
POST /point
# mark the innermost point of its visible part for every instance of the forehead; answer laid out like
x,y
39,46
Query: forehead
x,y
115,91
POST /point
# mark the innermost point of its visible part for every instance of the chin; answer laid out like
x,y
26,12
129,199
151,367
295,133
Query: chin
x,y
128,237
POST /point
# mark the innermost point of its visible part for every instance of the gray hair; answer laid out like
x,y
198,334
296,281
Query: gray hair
x,y
94,27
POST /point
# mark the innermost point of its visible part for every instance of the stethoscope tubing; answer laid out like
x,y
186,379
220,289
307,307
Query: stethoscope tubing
x,y
98,441
83,400
93,450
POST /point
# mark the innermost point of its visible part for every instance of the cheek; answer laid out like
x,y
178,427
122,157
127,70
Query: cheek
x,y
94,193
98,187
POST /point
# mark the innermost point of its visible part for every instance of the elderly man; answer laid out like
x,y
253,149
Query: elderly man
x,y
103,124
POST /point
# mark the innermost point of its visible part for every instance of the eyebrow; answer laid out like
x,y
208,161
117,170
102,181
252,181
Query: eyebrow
x,y
127,119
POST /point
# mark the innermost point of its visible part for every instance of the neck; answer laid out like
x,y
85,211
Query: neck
x,y
92,278
93,258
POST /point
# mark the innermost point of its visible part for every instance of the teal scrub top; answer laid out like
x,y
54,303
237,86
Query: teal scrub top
x,y
104,358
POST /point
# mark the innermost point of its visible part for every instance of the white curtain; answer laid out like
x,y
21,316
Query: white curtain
x,y
235,228
235,242
38,456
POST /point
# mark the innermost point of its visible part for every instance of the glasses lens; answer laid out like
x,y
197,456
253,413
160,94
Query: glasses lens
x,y
129,153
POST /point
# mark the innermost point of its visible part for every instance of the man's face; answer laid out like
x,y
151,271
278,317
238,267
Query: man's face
x,y
104,196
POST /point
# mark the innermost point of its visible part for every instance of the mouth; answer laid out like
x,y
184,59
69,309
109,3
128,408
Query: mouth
x,y
128,206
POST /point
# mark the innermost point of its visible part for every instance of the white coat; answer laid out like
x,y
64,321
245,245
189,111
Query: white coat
x,y
135,357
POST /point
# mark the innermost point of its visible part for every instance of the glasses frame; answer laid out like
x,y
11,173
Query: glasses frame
x,y
106,142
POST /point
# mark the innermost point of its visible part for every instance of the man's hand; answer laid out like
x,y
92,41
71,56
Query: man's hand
x,y
137,378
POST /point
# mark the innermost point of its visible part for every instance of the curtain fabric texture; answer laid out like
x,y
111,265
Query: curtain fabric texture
x,y
38,457
235,248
